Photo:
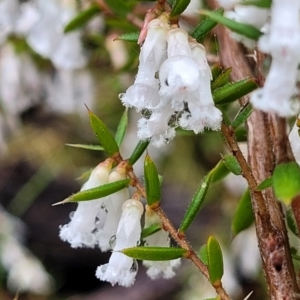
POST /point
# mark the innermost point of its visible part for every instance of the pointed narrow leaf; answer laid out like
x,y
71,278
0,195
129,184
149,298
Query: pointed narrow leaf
x,y
138,151
150,230
119,7
88,147
122,128
268,182
215,261
203,254
222,79
82,18
129,37
99,192
152,183
232,164
291,222
103,134
234,91
216,71
258,3
179,7
155,253
244,29
196,203
206,25
286,181
243,216
242,115
219,172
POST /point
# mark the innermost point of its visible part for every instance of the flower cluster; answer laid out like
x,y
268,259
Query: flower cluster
x,y
281,40
114,223
172,86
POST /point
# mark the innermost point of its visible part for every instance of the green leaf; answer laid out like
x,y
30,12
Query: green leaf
x,y
152,183
234,91
138,151
216,71
242,115
196,203
268,182
206,25
243,216
203,254
222,79
244,29
129,37
258,3
232,164
119,7
150,230
104,136
219,172
179,7
97,192
155,253
88,147
215,261
120,134
82,18
291,222
286,181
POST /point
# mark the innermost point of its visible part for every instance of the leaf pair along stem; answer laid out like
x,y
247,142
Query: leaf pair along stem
x,y
267,146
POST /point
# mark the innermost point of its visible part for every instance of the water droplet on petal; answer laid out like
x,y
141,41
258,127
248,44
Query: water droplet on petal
x,y
121,96
112,242
71,214
134,266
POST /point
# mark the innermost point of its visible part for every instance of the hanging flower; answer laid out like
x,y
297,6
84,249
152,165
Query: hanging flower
x,y
122,269
158,269
86,222
113,207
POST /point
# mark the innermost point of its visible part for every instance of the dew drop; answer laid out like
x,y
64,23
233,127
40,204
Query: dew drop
x,y
134,266
112,242
71,214
121,96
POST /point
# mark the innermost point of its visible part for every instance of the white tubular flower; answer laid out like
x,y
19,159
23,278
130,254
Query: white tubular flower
x,y
179,77
113,207
294,138
122,269
202,111
155,41
158,269
178,44
157,127
83,229
283,43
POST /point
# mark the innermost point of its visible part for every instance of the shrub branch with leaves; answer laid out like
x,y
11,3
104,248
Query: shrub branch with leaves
x,y
175,87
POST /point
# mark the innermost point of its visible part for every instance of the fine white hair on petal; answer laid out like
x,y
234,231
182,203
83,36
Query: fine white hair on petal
x,y
83,229
157,127
140,96
179,76
120,268
295,141
178,43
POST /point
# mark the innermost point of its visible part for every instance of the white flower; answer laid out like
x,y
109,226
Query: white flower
x,y
83,229
157,127
158,269
202,111
283,43
113,207
122,269
178,44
